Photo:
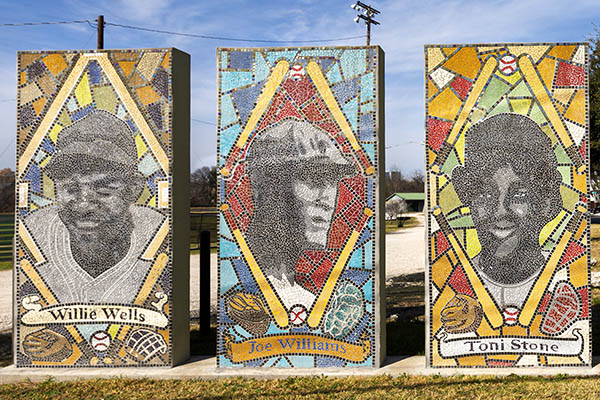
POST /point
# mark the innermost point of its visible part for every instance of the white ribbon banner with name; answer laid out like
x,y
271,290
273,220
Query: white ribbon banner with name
x,y
69,314
450,348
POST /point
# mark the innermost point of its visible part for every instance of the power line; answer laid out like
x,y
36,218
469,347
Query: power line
x,y
83,21
7,146
231,39
404,144
139,28
203,122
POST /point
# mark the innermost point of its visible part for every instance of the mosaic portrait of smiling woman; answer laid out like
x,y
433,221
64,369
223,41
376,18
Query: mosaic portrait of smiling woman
x,y
95,202
507,161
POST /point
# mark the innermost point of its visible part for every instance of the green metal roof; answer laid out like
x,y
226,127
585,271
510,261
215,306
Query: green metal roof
x,y
410,196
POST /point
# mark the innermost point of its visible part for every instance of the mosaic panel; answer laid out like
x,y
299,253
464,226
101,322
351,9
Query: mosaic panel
x,y
507,184
94,224
298,199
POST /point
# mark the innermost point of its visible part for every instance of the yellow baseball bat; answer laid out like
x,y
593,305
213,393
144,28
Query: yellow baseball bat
x,y
320,304
538,291
488,69
489,307
539,91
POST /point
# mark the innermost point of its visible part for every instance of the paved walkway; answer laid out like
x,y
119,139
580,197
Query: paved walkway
x,y
405,250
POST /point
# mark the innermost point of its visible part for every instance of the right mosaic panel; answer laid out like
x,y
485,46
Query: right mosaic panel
x,y
507,183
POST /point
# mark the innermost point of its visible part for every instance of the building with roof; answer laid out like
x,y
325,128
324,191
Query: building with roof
x,y
408,202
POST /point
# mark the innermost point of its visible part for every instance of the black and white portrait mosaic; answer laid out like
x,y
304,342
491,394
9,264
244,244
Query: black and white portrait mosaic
x,y
94,270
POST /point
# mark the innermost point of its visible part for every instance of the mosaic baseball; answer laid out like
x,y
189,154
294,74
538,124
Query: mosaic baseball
x,y
507,185
298,161
93,272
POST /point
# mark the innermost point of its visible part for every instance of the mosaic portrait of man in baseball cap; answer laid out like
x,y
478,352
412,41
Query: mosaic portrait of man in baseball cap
x,y
93,235
294,169
298,226
95,225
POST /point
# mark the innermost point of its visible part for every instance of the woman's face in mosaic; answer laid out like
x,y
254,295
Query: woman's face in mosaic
x,y
502,211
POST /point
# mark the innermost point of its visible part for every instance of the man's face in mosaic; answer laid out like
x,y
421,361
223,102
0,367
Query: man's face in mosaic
x,y
317,195
92,204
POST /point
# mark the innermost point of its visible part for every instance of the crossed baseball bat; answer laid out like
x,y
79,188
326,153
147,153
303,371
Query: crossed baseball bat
x,y
531,76
489,306
278,311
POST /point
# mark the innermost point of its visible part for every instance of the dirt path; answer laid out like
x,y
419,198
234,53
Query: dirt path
x,y
405,250
5,300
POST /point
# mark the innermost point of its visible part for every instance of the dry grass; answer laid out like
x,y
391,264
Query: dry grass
x,y
382,387
392,226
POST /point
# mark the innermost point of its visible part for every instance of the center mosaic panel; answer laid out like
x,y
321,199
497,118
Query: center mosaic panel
x,y
507,183
298,200
94,218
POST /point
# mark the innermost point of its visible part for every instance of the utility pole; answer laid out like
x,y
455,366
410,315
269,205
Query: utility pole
x,y
367,15
100,32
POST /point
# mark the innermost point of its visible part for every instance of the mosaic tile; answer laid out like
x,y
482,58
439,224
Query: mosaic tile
x,y
334,74
234,79
353,62
148,64
240,59
93,265
82,92
296,259
507,179
441,77
244,98
273,56
55,63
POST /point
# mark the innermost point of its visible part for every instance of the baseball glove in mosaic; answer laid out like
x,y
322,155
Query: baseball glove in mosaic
x,y
507,184
94,258
298,202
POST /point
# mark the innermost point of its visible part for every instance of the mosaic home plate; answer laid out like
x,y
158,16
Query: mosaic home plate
x,y
100,279
507,184
301,239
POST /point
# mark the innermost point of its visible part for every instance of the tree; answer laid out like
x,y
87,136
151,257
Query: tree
x,y
203,187
394,208
397,183
394,181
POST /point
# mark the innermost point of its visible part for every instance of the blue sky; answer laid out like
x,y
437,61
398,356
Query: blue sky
x,y
405,28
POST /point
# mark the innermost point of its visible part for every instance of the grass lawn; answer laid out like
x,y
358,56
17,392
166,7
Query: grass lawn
x,y
5,265
381,387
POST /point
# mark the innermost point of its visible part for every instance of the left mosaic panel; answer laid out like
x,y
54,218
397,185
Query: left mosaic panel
x,y
94,274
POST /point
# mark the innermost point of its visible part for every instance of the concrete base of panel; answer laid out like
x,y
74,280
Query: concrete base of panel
x,y
206,368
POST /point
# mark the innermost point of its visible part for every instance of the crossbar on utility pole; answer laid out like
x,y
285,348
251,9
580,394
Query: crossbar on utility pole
x,y
100,32
367,15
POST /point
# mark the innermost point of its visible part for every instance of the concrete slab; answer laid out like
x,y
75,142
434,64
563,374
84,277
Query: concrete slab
x,y
205,368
